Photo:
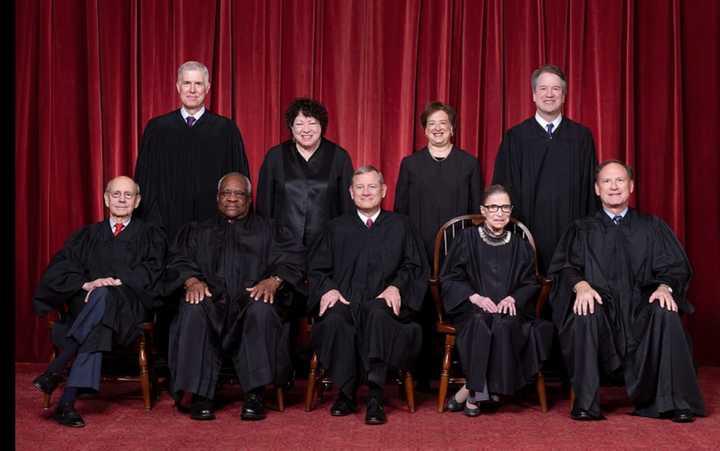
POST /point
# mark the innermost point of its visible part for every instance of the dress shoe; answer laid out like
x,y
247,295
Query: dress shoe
x,y
584,415
66,415
201,409
343,406
455,406
47,382
375,412
253,409
683,416
471,411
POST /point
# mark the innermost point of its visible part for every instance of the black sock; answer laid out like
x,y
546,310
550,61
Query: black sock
x,y
69,395
68,352
376,391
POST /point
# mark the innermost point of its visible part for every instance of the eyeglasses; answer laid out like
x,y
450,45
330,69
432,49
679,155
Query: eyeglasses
x,y
494,208
125,195
227,193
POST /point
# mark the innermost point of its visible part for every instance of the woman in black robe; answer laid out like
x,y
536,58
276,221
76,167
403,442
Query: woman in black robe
x,y
304,181
488,288
436,183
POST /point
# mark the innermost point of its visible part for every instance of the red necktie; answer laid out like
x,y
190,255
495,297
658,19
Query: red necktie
x,y
369,222
119,226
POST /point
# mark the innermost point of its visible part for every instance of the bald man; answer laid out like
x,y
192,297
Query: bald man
x,y
105,276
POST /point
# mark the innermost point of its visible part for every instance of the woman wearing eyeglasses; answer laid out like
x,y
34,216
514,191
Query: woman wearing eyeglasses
x,y
488,288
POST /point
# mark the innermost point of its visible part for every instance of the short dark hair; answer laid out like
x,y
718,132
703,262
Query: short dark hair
x,y
309,108
547,69
602,165
432,107
494,189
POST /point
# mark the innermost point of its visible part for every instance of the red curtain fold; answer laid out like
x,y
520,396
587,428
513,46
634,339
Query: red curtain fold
x,y
644,75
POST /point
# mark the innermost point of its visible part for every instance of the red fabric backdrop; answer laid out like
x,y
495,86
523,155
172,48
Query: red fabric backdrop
x,y
644,75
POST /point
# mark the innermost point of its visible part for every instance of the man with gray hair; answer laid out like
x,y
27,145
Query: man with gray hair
x,y
103,280
368,275
182,155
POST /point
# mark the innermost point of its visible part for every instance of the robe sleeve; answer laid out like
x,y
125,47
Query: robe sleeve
x,y
182,260
145,169
454,278
402,190
239,149
65,275
265,201
476,189
526,284
670,265
413,273
566,269
320,270
345,201
287,258
590,200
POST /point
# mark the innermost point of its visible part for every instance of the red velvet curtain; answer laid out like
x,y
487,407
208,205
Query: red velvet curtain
x,y
644,75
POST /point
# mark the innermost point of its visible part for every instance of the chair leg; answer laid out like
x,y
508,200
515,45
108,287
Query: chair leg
x,y
312,379
144,375
409,391
572,399
445,373
280,399
46,397
541,392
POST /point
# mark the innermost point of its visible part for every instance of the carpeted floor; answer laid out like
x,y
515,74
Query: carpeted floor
x,y
116,420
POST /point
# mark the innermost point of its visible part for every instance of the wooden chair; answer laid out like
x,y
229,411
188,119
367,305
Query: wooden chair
x,y
317,383
443,239
142,348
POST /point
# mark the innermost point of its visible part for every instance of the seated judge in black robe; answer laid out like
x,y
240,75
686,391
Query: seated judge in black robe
x,y
368,275
547,163
620,287
104,280
231,267
488,287
182,156
435,184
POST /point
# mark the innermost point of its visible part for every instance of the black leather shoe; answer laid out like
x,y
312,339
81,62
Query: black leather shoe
x,y
471,411
585,415
343,406
455,406
375,412
47,382
683,416
201,409
66,415
253,409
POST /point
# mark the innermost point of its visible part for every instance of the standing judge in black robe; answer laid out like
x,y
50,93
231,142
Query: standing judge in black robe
x,y
182,156
368,275
106,277
436,183
231,267
547,164
621,279
488,287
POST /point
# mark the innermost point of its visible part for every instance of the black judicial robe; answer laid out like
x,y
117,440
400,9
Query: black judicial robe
x,y
360,262
625,263
550,180
233,256
178,167
431,192
304,195
136,257
230,257
508,359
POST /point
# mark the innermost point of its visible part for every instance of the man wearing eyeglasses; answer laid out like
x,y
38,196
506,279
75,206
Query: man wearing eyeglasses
x,y
105,276
227,272
620,285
